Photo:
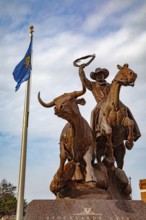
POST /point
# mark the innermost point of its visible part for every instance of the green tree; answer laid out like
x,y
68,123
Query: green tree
x,y
8,200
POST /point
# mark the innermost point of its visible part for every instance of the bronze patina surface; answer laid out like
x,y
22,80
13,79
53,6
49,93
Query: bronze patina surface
x,y
92,156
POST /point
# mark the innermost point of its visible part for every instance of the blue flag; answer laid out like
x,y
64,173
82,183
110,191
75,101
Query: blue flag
x,y
22,71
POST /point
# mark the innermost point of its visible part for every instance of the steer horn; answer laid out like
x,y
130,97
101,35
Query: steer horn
x,y
47,105
76,94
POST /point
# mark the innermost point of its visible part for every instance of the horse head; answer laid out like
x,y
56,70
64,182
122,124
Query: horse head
x,y
125,76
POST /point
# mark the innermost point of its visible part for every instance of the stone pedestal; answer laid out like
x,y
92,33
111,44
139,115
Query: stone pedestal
x,y
83,209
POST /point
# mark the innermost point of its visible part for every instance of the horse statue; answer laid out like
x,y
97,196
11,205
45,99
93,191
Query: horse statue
x,y
114,126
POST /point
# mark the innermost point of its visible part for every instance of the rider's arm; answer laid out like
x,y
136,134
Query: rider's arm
x,y
83,78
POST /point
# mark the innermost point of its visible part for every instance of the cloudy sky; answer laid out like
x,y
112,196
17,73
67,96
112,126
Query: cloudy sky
x,y
114,30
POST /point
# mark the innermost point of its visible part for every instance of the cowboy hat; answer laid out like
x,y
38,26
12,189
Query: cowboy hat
x,y
97,71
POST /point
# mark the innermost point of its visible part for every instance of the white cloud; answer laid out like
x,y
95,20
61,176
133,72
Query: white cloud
x,y
102,14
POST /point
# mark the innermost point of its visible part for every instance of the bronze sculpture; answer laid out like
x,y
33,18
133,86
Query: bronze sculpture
x,y
77,141
81,176
100,89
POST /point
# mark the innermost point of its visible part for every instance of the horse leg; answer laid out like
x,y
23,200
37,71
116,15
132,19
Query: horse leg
x,y
90,175
127,122
119,153
100,147
109,158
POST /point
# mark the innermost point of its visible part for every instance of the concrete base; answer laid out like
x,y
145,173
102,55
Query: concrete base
x,y
83,209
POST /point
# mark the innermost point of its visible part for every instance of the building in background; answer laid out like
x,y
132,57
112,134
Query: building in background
x,y
142,186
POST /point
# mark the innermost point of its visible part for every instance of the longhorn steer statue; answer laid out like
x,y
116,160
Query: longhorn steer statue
x,y
77,141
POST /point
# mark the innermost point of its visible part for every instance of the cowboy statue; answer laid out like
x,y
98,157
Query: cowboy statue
x,y
100,89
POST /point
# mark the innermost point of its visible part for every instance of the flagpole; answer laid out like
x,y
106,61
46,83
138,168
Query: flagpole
x,y
21,184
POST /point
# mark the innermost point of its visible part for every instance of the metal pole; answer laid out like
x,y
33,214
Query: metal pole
x,y
21,185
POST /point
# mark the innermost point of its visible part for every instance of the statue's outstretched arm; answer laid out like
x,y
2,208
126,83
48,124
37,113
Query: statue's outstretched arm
x,y
83,78
87,83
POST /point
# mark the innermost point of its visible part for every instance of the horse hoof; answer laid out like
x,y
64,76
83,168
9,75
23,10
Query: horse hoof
x,y
109,161
129,145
